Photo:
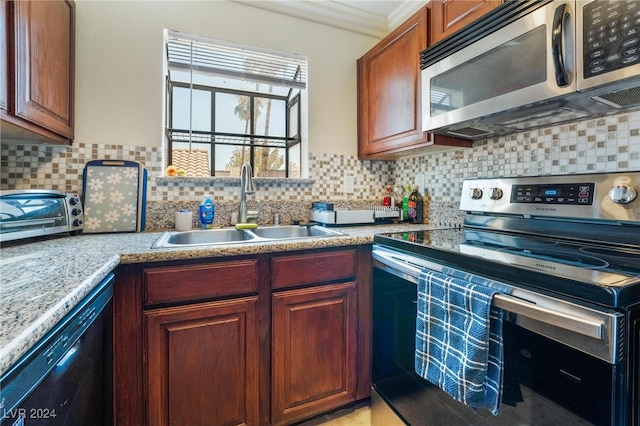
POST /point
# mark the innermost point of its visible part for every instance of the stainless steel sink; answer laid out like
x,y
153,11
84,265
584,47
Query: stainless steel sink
x,y
200,237
205,237
293,231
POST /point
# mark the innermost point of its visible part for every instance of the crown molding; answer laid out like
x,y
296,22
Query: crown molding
x,y
340,14
404,12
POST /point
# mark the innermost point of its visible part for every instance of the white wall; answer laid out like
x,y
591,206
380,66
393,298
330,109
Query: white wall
x,y
119,53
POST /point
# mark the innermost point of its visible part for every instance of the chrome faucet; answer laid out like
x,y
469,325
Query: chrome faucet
x,y
246,187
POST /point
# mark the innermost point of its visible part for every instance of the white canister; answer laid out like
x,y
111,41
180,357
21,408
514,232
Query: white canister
x,y
184,220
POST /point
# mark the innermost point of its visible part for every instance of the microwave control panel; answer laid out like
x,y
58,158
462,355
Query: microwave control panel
x,y
611,36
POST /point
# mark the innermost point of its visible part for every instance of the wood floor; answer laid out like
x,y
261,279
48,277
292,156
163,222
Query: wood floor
x,y
356,415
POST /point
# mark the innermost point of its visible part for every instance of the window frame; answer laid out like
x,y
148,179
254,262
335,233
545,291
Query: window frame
x,y
293,102
277,142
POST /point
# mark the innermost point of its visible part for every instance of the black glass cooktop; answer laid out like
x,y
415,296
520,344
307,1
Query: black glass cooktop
x,y
592,272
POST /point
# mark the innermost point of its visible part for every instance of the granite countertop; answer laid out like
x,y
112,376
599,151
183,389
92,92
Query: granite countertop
x,y
43,280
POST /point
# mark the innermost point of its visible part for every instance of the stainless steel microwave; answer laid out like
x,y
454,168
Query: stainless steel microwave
x,y
530,64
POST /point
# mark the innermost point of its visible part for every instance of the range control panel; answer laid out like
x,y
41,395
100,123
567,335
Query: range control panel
x,y
572,193
607,196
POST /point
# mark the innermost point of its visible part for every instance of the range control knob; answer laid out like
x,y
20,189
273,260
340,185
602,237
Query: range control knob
x,y
77,222
76,211
74,200
622,194
496,193
476,193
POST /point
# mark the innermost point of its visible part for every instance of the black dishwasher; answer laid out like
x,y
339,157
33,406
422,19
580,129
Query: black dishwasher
x,y
67,377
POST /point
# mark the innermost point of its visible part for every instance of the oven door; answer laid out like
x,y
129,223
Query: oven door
x,y
546,380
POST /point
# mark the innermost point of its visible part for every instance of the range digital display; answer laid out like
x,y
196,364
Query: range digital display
x,y
580,194
550,192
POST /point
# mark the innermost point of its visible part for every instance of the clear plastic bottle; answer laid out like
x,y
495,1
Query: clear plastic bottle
x,y
397,196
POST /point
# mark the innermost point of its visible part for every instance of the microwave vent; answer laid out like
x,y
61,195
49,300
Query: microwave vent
x,y
621,98
470,132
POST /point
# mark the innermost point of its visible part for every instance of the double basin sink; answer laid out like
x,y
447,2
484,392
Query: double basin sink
x,y
205,237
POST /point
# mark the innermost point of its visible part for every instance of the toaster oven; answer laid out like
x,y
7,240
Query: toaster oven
x,y
28,213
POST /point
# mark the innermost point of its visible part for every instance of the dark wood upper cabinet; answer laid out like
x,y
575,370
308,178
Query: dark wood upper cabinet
x,y
37,84
4,57
448,16
389,105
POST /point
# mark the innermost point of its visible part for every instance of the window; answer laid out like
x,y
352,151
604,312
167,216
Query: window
x,y
227,104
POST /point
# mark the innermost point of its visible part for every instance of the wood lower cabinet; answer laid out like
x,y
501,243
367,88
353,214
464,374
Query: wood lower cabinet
x,y
202,364
244,340
314,351
38,62
321,338
448,16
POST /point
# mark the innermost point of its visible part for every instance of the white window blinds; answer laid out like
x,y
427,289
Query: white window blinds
x,y
197,54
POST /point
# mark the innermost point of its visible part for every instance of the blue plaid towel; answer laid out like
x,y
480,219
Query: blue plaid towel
x,y
459,337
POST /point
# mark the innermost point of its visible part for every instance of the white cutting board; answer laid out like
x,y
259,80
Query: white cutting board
x,y
114,196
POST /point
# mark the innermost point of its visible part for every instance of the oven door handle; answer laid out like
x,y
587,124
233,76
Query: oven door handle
x,y
409,268
591,327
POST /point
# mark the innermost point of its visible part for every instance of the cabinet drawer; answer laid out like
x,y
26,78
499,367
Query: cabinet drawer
x,y
288,271
197,282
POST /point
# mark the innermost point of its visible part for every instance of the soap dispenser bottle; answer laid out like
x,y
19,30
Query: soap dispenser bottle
x,y
207,212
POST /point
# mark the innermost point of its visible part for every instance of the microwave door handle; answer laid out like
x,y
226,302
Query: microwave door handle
x,y
562,78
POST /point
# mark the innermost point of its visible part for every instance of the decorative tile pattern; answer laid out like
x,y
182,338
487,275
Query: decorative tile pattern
x,y
599,145
60,167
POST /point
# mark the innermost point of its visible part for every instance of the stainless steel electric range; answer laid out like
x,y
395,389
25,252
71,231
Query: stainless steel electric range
x,y
567,248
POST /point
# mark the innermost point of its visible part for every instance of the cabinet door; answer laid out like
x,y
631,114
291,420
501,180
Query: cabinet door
x,y
4,55
448,16
389,90
314,351
44,67
202,364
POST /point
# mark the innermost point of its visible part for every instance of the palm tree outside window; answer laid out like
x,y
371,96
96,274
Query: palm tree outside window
x,y
227,104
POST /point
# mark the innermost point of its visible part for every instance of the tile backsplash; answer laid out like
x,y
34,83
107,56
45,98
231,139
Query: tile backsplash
x,y
599,145
61,168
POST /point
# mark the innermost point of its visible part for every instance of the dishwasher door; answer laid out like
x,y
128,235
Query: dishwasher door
x,y
67,377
